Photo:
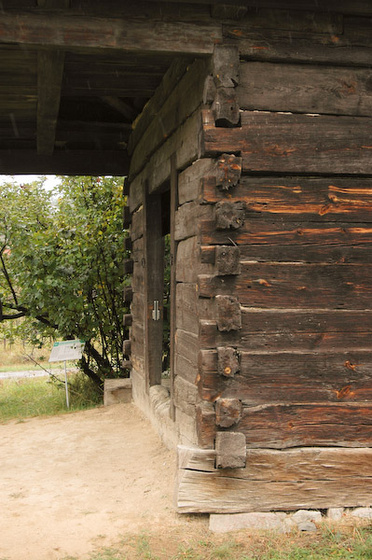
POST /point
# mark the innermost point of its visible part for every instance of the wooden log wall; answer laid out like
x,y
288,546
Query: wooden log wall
x,y
285,353
293,294
164,146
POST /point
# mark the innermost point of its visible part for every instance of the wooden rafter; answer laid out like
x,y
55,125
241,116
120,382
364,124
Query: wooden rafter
x,y
123,108
64,162
70,31
50,74
49,83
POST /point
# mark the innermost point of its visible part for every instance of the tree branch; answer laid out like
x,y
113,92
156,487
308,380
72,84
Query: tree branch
x,y
7,278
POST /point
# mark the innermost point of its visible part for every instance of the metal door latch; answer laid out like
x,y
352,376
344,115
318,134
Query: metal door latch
x,y
156,311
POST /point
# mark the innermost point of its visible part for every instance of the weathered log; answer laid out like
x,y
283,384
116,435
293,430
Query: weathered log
x,y
228,313
229,170
128,266
127,217
225,108
205,425
227,260
281,426
228,412
226,66
290,42
128,319
228,361
128,294
275,480
271,330
127,347
230,215
230,450
295,285
305,89
289,377
315,199
278,233
290,143
128,244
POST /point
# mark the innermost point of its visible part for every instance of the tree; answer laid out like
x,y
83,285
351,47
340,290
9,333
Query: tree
x,y
61,265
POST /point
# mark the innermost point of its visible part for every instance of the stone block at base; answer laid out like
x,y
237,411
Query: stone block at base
x,y
117,391
223,523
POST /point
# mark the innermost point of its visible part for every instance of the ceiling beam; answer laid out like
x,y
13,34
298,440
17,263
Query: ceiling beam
x,y
71,31
120,106
77,162
49,84
53,4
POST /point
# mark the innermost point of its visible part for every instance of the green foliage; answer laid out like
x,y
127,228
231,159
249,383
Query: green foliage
x,y
61,265
43,397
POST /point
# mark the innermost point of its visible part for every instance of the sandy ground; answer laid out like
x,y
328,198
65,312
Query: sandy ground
x,y
71,483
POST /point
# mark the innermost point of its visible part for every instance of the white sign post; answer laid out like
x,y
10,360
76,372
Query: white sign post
x,y
65,351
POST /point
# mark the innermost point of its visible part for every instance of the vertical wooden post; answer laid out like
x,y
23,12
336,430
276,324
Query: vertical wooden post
x,y
173,252
154,287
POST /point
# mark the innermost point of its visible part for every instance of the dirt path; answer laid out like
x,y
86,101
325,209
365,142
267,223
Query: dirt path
x,y
74,482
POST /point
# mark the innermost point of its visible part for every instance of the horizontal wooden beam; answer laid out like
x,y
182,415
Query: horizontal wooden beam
x,y
79,162
294,143
361,7
71,31
275,480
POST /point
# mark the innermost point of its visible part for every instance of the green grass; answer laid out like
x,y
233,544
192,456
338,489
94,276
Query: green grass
x,y
346,543
28,397
30,366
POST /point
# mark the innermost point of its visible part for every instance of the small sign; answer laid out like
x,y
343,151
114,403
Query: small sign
x,y
67,350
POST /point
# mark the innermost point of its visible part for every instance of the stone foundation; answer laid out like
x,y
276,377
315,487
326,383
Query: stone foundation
x,y
301,520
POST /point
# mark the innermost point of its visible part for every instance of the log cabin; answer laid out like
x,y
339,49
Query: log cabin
x,y
243,130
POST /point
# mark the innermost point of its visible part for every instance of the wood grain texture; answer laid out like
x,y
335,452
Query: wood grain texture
x,y
275,480
288,232
305,89
289,377
295,285
104,33
350,47
293,143
177,107
317,199
282,329
280,426
184,142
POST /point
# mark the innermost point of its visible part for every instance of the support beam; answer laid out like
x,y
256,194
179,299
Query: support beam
x,y
53,4
78,162
123,108
49,83
70,31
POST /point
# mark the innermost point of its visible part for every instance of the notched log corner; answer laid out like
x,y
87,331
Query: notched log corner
x,y
127,217
128,294
127,348
128,320
230,215
229,316
128,266
228,412
226,66
228,361
205,424
231,451
225,108
227,260
229,170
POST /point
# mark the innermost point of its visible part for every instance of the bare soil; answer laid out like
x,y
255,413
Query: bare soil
x,y
72,483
